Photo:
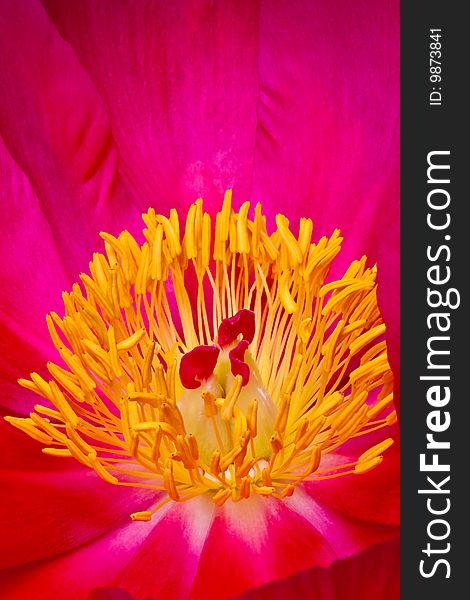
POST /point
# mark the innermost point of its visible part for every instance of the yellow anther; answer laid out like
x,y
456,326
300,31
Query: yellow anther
x,y
314,461
154,400
28,426
210,407
242,229
65,452
225,216
287,491
305,329
215,463
131,341
102,472
276,443
305,235
169,482
252,417
222,496
376,450
189,236
366,338
143,515
156,271
289,239
284,293
63,405
263,490
367,466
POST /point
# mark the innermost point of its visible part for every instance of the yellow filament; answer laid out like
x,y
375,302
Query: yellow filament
x,y
318,354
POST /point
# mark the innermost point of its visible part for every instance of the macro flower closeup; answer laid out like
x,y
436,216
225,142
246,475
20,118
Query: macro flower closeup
x,y
199,300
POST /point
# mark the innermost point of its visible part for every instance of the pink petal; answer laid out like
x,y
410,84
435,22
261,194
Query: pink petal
x,y
263,540
33,277
181,86
93,565
371,497
56,129
327,137
149,560
370,575
60,184
167,562
50,505
192,550
388,291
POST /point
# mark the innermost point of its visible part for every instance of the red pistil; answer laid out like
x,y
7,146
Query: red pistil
x,y
237,361
243,322
198,365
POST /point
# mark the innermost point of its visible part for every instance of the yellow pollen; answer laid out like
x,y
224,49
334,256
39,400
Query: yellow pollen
x,y
319,374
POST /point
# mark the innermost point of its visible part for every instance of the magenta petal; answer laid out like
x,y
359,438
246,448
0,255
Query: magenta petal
x,y
156,560
264,539
181,85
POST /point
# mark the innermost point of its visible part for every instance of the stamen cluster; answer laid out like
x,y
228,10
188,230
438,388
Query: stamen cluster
x,y
293,367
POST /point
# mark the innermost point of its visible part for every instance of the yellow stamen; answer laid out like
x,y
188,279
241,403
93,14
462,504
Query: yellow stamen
x,y
318,365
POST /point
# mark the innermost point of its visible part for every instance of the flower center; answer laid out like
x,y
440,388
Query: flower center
x,y
226,376
244,385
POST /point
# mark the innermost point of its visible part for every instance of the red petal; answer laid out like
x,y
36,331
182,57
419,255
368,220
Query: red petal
x,y
52,512
198,365
110,594
369,575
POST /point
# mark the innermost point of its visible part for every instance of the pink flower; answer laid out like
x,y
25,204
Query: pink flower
x,y
108,108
